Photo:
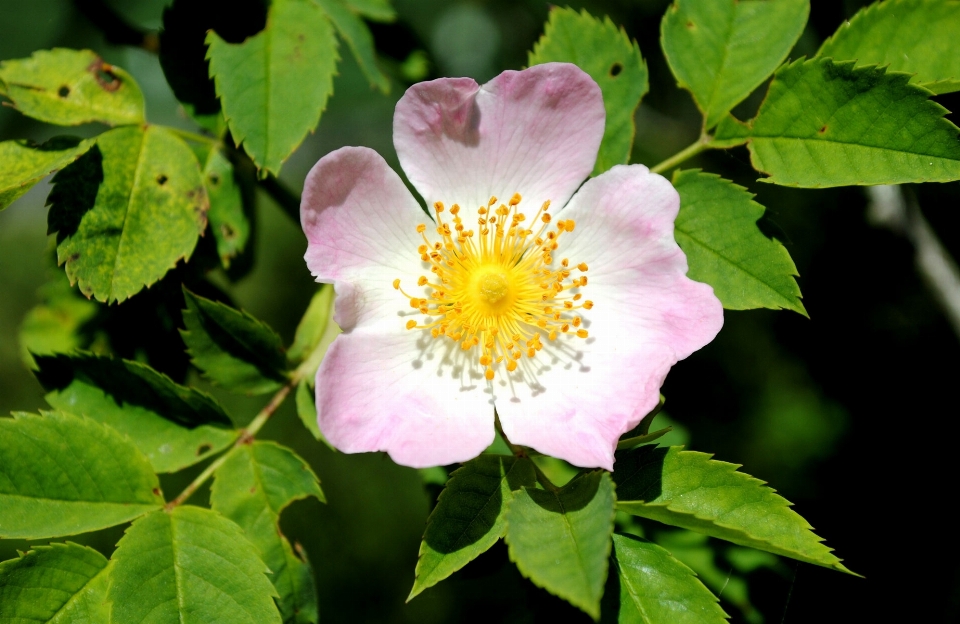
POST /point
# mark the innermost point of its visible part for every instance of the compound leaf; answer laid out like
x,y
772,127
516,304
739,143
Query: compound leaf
x,y
23,163
72,87
721,50
605,52
470,516
55,584
274,85
127,211
560,539
914,36
189,566
692,491
62,474
825,124
717,230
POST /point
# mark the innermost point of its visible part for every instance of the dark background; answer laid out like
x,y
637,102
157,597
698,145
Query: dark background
x,y
843,412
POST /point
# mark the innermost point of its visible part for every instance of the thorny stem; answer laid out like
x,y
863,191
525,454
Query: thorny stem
x,y
521,453
685,154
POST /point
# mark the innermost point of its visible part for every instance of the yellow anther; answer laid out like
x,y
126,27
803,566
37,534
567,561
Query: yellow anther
x,y
421,228
553,335
492,201
438,206
565,263
411,324
565,328
545,218
582,266
414,302
531,352
455,209
511,365
515,199
568,304
577,321
489,374
570,225
588,305
396,284
420,282
582,333
484,360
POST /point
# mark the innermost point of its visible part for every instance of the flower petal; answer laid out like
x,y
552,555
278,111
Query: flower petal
x,y
647,316
377,392
534,132
361,227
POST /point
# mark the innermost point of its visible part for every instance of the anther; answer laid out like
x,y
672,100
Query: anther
x,y
515,199
582,266
489,374
411,324
421,228
420,282
396,284
582,333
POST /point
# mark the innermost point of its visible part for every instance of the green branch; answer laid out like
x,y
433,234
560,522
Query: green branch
x,y
685,154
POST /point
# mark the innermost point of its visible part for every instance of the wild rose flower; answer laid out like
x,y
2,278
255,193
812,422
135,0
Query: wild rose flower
x,y
562,309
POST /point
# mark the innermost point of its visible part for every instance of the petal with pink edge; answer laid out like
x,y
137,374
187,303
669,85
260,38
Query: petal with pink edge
x,y
535,132
578,396
380,391
361,227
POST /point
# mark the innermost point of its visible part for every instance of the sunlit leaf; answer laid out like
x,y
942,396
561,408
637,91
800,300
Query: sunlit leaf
x,y
23,164
612,60
251,488
71,87
561,540
689,490
54,325
62,474
914,36
189,566
717,230
231,347
375,10
55,584
470,516
721,50
274,85
649,586
172,425
828,124
228,219
127,211
313,325
352,30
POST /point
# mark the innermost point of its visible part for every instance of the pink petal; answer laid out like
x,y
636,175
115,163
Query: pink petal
x,y
361,227
535,132
647,316
379,391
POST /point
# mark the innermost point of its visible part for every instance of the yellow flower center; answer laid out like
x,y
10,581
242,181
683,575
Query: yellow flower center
x,y
499,292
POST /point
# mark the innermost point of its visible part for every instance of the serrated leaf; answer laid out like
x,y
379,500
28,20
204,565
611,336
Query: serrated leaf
x,y
24,163
721,50
54,325
717,230
231,347
71,87
189,566
470,516
228,220
914,36
612,59
127,211
561,540
55,584
274,85
358,37
312,326
374,10
650,586
252,487
827,124
166,421
62,474
692,491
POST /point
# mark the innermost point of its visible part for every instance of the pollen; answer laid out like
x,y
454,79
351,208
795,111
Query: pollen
x,y
498,291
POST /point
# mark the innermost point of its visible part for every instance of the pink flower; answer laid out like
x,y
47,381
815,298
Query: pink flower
x,y
564,309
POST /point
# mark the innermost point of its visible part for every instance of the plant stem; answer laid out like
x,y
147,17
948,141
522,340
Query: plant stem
x,y
685,154
246,437
196,137
288,201
521,453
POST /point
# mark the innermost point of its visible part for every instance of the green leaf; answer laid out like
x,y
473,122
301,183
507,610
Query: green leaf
x,y
189,566
232,348
54,325
561,540
55,584
651,587
228,220
827,124
717,230
612,60
358,37
914,36
127,211
166,421
72,87
274,85
692,491
23,163
470,516
62,475
252,487
374,10
721,50
307,411
313,325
